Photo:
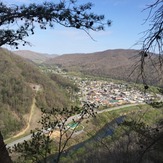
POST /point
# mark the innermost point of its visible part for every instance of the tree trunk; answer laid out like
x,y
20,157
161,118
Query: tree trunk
x,y
4,155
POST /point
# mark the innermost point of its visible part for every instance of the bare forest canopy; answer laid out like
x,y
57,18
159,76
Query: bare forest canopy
x,y
16,94
117,64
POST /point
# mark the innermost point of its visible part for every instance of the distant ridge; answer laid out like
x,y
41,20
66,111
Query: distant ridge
x,y
96,57
116,64
34,56
102,63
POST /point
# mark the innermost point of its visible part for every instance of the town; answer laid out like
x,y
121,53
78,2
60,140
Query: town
x,y
104,93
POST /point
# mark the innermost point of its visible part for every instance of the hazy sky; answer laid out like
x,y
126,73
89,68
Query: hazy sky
x,y
127,24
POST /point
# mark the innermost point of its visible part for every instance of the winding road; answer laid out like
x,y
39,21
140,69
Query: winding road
x,y
70,119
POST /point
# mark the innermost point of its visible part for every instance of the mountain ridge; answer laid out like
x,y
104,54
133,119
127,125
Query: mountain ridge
x,y
107,59
34,56
122,64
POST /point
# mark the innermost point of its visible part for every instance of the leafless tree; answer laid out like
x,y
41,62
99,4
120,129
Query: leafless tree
x,y
151,53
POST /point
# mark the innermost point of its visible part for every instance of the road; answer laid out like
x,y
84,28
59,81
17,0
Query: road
x,y
21,140
70,119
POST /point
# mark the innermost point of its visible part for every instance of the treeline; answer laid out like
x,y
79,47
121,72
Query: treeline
x,y
127,73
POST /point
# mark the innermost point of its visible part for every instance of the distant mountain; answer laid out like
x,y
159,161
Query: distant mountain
x,y
108,58
102,63
117,64
17,80
34,56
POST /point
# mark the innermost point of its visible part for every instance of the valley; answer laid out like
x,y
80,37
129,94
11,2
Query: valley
x,y
107,96
92,89
105,92
57,86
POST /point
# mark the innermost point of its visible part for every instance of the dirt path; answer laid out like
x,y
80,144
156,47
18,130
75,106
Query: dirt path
x,y
29,120
35,88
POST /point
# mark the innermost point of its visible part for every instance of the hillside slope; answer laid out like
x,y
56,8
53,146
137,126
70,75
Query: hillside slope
x,y
109,58
105,63
16,81
116,64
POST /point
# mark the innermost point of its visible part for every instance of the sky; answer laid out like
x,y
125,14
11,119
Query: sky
x,y
127,18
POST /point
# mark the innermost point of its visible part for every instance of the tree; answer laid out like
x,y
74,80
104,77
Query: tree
x,y
42,143
18,22
141,142
25,18
151,59
152,43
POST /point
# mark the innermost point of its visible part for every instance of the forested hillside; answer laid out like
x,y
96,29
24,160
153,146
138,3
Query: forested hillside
x,y
16,93
123,64
109,63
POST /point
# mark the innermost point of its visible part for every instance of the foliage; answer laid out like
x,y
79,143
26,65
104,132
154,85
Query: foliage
x,y
40,146
66,13
36,149
65,83
118,64
16,94
152,43
18,22
138,139
9,123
